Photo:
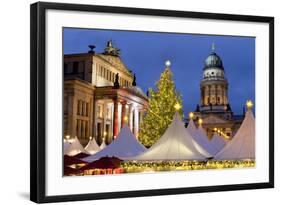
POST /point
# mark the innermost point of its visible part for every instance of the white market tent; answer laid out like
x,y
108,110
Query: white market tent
x,y
74,148
92,147
195,134
217,142
103,144
242,146
175,144
66,145
204,141
124,146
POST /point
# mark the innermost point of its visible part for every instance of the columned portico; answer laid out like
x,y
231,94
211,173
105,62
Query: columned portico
x,y
125,106
136,122
130,116
123,113
115,117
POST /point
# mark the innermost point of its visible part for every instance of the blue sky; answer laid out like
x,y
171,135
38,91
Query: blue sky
x,y
145,54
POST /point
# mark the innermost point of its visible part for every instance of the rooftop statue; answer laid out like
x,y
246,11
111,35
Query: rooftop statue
x,y
111,50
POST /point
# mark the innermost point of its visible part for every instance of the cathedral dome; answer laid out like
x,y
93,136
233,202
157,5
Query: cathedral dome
x,y
213,61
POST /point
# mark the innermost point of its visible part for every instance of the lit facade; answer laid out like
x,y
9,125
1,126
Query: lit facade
x,y
100,96
214,109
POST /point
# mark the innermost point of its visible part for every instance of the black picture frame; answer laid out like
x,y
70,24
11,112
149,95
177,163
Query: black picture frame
x,y
38,100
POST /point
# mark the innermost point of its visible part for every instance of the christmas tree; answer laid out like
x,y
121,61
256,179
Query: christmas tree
x,y
161,108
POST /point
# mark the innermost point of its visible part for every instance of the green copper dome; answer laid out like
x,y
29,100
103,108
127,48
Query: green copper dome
x,y
213,61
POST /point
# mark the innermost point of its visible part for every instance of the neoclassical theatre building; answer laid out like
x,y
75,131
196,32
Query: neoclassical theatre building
x,y
100,95
214,109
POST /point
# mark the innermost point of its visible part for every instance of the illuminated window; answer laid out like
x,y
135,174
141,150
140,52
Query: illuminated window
x,y
108,113
100,111
78,107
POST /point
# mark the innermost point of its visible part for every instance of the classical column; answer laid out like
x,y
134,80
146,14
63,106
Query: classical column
x,y
202,96
115,117
210,97
130,116
206,88
141,113
123,113
95,119
216,94
222,95
136,122
226,97
90,111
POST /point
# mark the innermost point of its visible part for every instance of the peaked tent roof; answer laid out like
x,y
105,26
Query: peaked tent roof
x,y
204,141
242,146
66,145
92,146
103,145
175,144
217,142
74,148
192,130
125,145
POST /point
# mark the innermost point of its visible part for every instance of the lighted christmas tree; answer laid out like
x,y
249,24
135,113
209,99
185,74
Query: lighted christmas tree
x,y
161,108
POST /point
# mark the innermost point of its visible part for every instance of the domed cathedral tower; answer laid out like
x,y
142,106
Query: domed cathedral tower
x,y
214,87
214,108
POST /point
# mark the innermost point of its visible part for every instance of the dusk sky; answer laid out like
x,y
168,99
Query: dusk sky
x,y
145,54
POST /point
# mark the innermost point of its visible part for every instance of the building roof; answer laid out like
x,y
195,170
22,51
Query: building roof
x,y
136,90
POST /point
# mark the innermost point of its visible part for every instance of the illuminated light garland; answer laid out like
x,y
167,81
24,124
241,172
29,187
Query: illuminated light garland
x,y
133,167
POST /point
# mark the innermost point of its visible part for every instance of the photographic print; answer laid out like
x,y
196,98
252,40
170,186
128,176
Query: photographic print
x,y
144,102
134,102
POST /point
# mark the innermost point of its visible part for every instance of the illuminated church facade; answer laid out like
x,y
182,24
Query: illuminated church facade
x,y
100,96
214,109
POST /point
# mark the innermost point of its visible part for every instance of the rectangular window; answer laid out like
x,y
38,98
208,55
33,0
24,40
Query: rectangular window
x,y
75,67
103,72
99,70
65,68
100,111
107,130
65,105
110,76
78,107
99,130
86,129
87,109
